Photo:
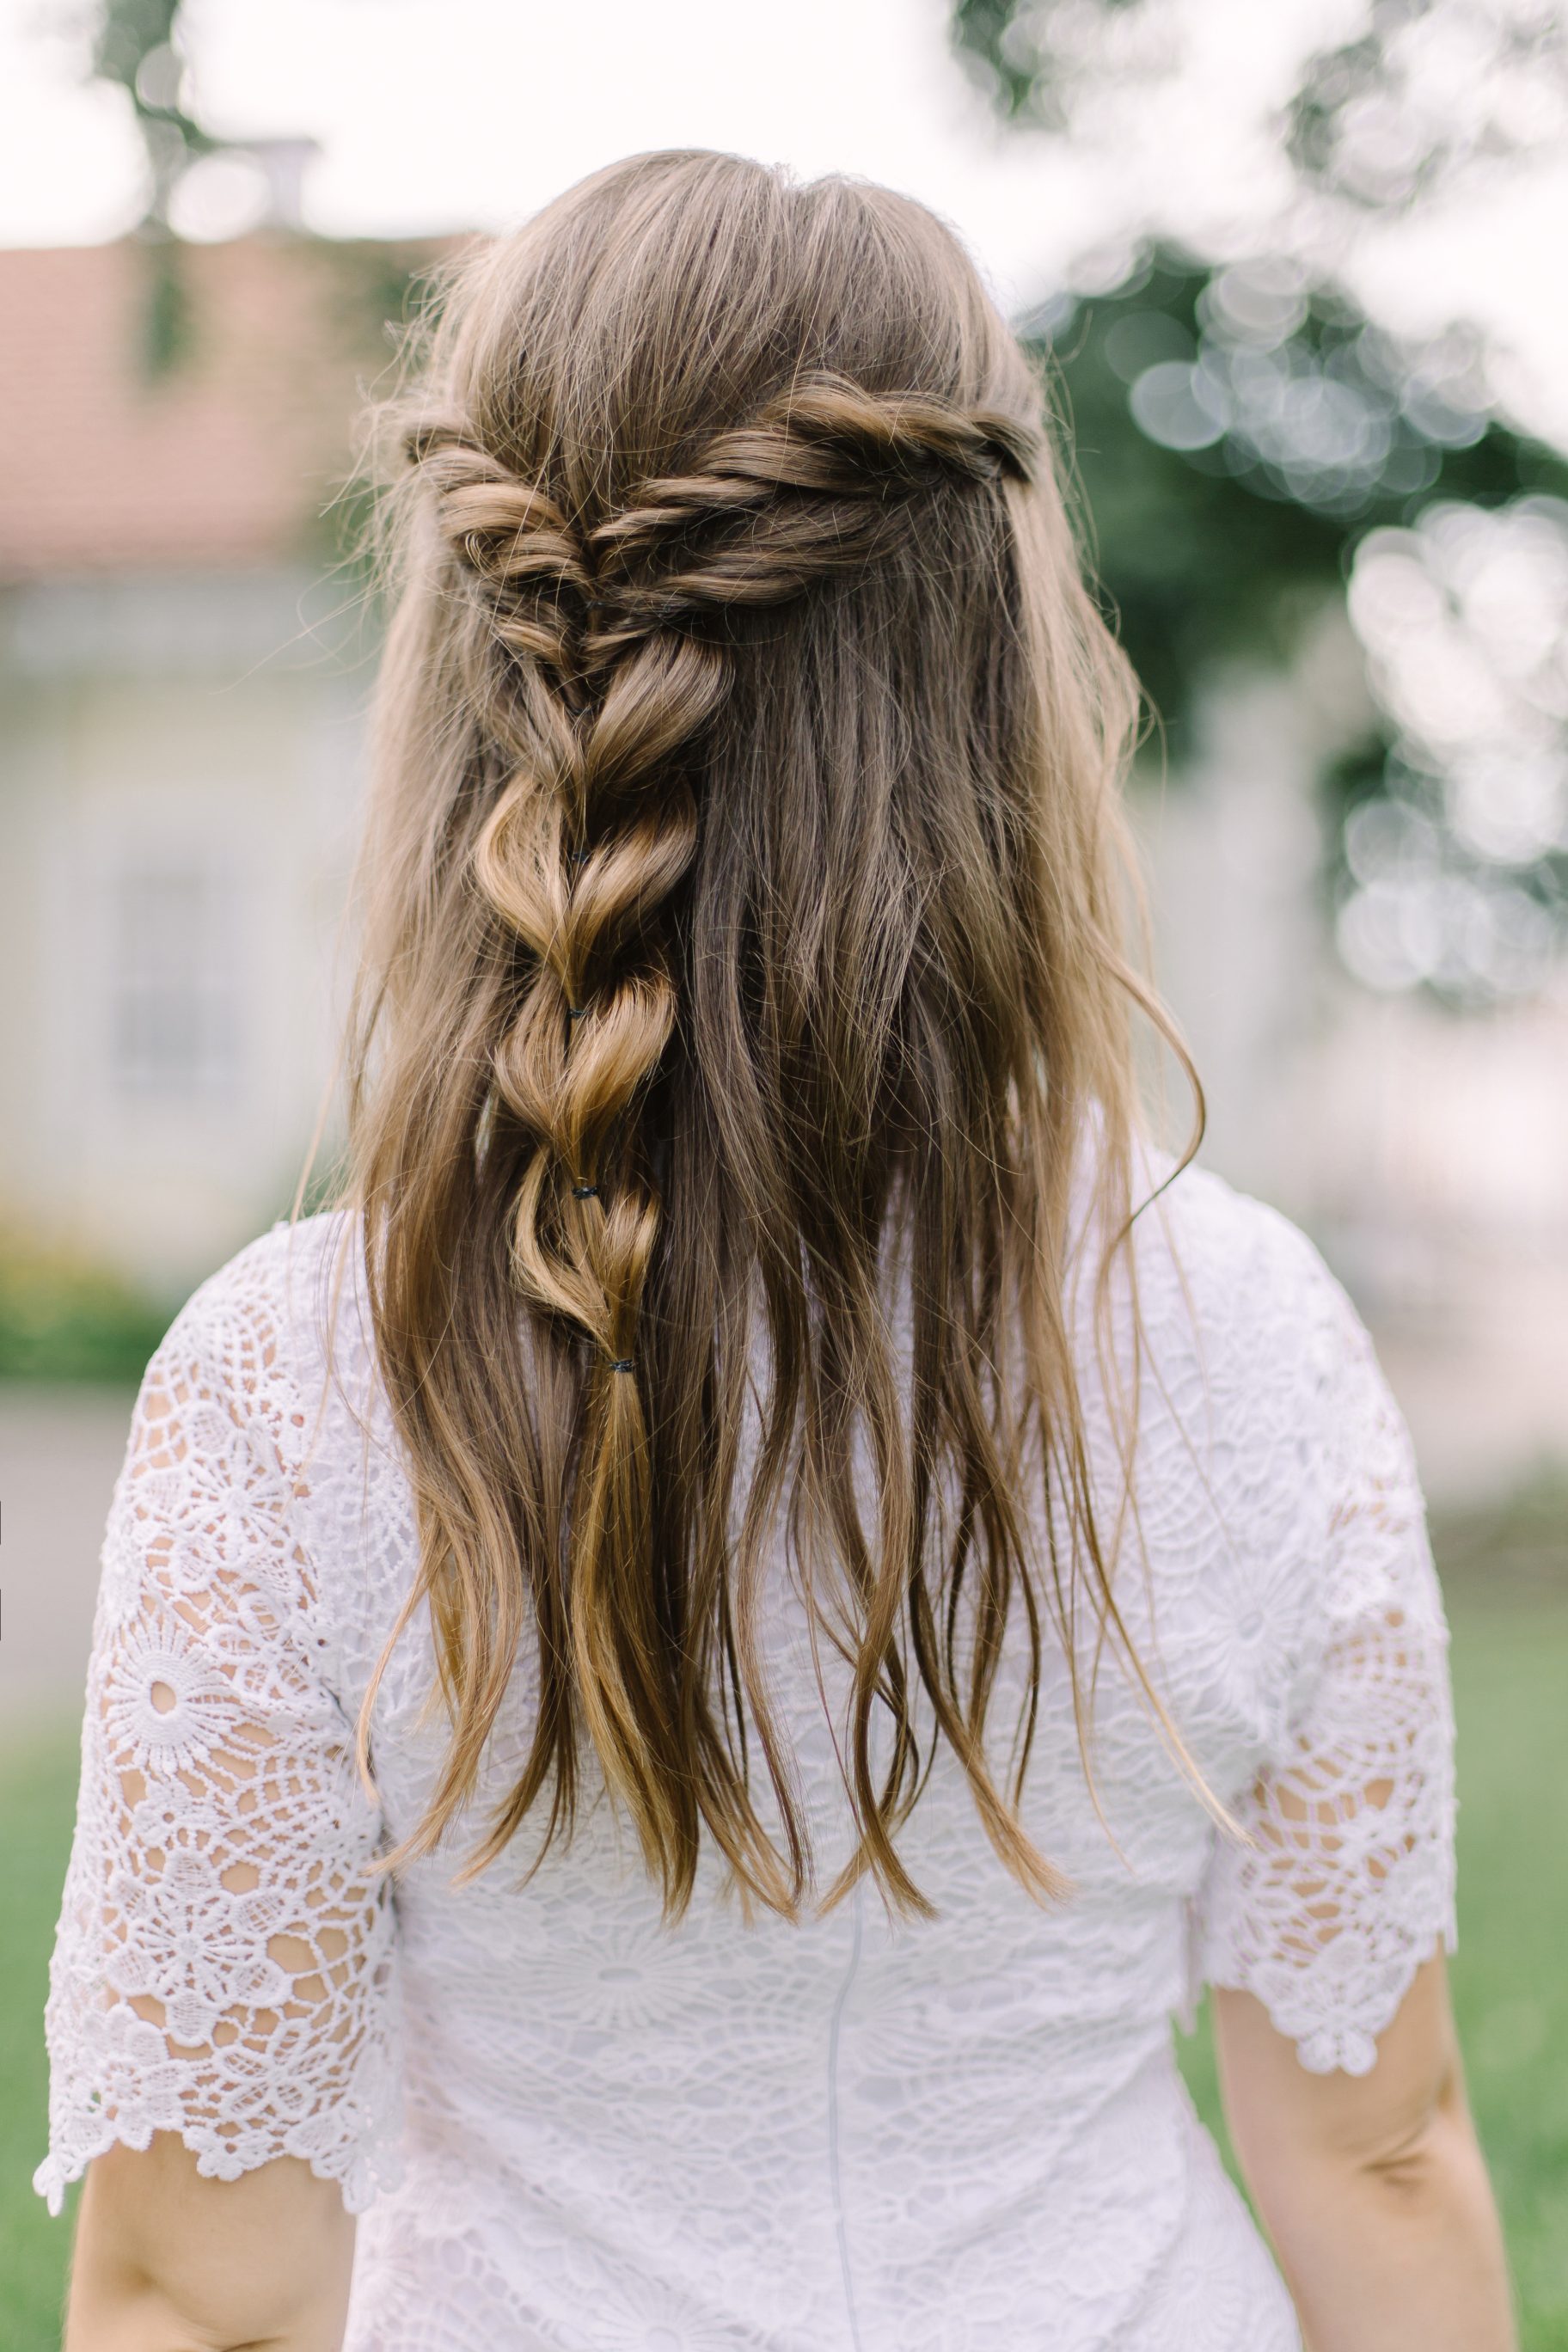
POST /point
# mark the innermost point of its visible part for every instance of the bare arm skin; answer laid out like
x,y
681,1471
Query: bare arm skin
x,y
168,2261
1373,2186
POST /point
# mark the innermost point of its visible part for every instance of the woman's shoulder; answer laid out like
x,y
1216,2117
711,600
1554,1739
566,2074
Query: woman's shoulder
x,y
282,1274
257,1326
217,1434
1254,1342
1230,1260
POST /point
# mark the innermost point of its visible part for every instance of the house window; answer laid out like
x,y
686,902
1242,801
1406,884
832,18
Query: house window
x,y
173,1011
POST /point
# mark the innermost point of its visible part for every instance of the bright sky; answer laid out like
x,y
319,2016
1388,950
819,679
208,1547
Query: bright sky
x,y
457,113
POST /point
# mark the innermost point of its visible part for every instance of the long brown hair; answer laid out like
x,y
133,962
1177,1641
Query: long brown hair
x,y
741,888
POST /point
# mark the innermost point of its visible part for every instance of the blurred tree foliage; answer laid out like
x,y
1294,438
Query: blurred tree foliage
x,y
137,46
1374,119
1240,426
1428,90
134,49
1317,428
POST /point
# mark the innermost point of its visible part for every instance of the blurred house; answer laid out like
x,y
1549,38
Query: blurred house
x,y
183,669
182,677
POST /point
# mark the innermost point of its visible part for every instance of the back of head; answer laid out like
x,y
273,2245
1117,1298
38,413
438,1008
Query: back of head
x,y
741,890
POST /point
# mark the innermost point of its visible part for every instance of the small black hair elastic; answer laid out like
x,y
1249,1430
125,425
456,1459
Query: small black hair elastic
x,y
575,1012
584,1192
621,1364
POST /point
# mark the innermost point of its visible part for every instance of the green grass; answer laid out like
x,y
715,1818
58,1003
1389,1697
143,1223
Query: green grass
x,y
37,1798
1510,1986
1510,1983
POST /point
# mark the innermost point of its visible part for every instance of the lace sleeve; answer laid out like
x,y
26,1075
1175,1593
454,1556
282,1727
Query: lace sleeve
x,y
1347,1882
224,1964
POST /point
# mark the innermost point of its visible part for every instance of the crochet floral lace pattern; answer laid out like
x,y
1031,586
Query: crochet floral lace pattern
x,y
737,2135
225,1959
1346,1883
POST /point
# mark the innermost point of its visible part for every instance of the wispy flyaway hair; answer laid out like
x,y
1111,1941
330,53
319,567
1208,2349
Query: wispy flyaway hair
x,y
741,888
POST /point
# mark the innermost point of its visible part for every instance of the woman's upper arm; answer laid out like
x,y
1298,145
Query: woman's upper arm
x,y
1284,2119
167,2258
223,1968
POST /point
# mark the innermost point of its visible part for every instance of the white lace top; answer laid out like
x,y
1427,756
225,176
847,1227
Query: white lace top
x,y
567,2127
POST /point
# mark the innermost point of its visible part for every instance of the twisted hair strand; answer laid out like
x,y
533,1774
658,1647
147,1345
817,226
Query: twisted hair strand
x,y
742,913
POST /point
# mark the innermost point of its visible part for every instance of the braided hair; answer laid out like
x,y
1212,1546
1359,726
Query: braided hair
x,y
671,1070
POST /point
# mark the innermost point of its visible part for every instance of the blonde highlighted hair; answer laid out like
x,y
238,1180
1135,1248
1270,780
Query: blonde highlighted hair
x,y
741,883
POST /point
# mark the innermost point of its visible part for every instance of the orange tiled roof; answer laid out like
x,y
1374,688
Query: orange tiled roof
x,y
227,459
